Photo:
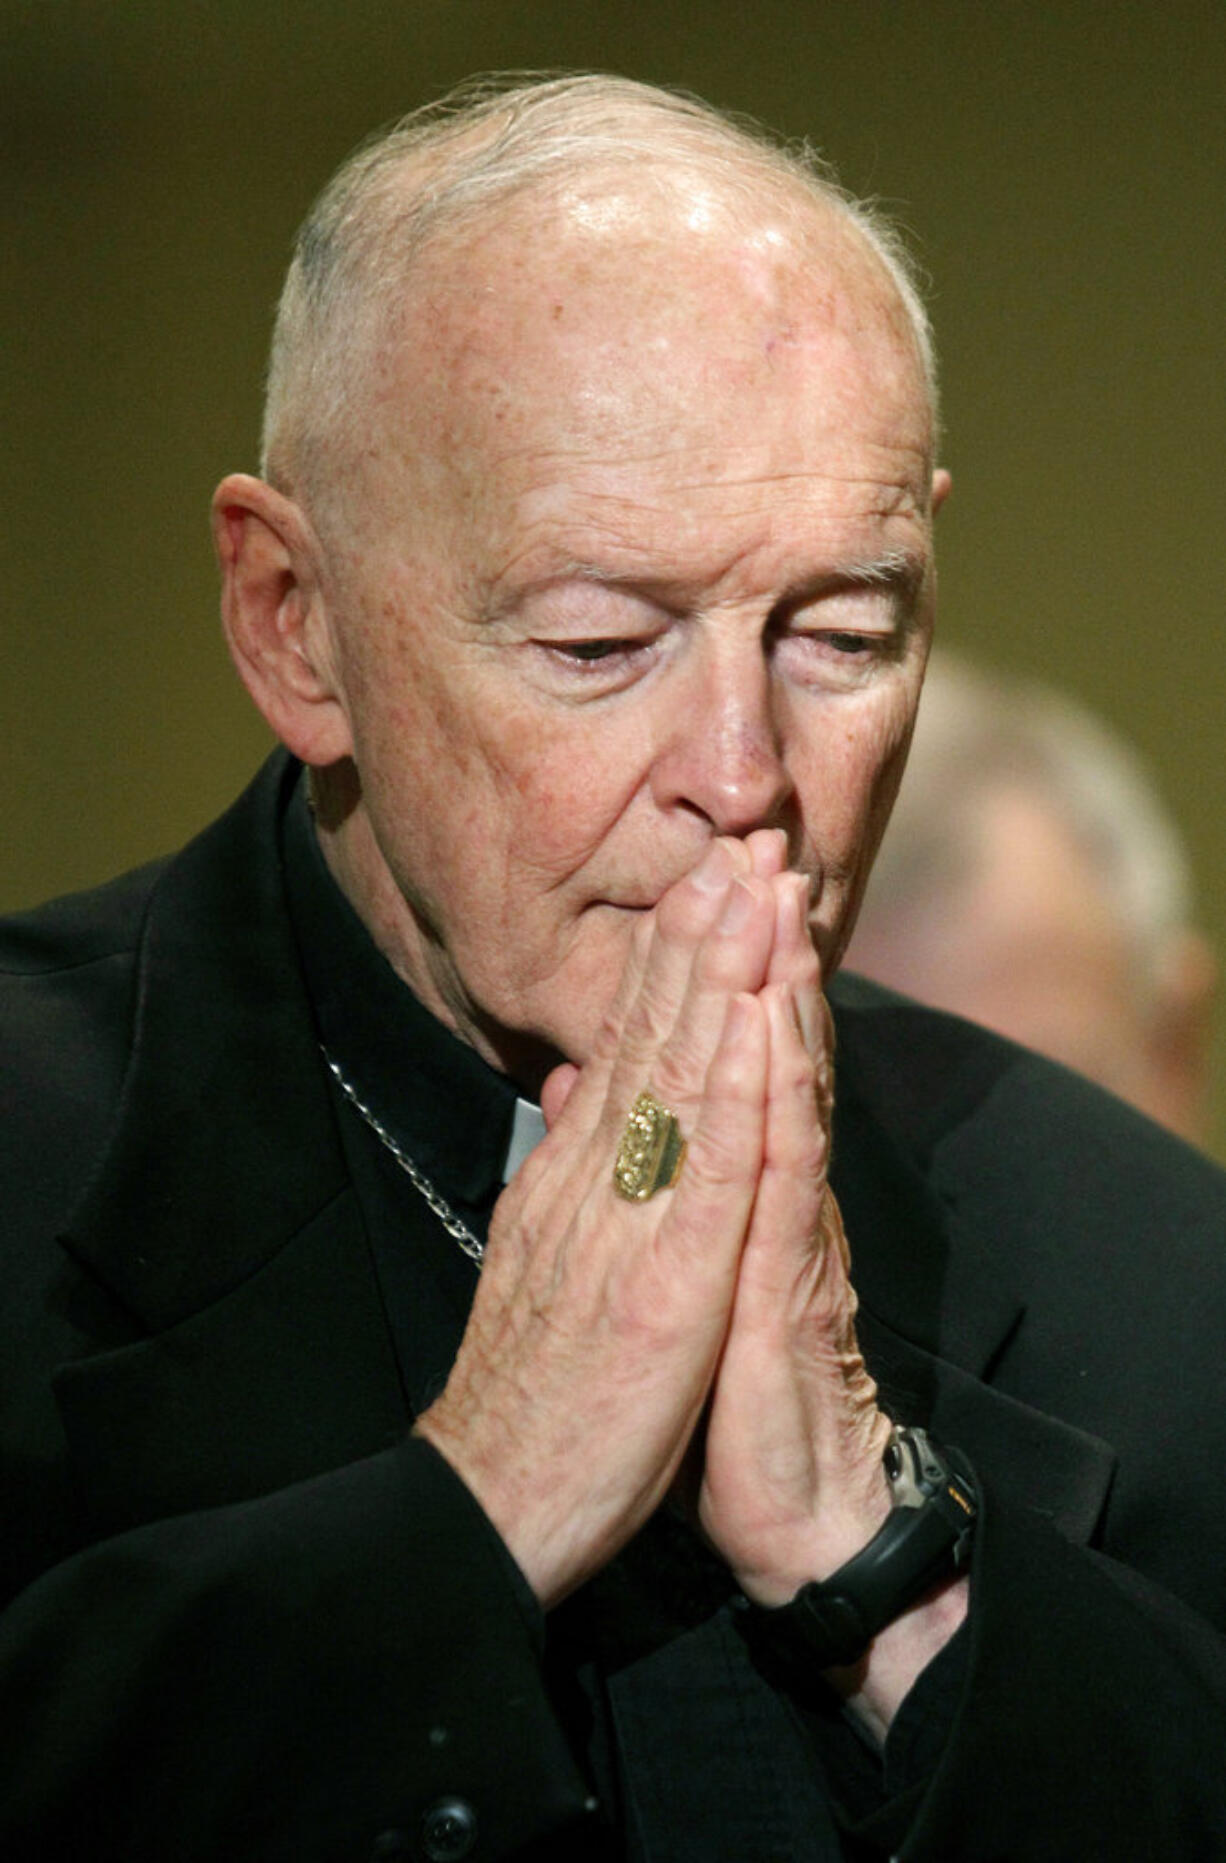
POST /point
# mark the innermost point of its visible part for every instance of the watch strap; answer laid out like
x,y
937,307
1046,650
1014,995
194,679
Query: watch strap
x,y
925,1538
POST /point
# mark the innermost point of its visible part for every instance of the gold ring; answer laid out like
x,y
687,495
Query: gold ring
x,y
650,1153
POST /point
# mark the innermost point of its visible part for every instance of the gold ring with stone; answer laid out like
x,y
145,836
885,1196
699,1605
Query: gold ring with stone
x,y
650,1153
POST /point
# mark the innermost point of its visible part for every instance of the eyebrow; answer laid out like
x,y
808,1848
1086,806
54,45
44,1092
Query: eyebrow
x,y
901,570
898,572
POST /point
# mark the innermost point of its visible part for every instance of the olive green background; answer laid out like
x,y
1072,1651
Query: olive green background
x,y
1061,168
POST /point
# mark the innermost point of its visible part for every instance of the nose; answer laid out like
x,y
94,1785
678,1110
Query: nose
x,y
722,756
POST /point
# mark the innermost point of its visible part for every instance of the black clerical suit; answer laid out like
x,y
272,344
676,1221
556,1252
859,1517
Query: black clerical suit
x,y
250,1618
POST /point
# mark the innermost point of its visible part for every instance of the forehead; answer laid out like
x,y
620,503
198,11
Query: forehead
x,y
662,350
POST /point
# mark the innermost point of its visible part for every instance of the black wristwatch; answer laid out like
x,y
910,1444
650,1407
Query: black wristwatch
x,y
926,1537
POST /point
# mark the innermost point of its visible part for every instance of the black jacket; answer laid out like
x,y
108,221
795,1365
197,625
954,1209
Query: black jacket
x,y
250,1618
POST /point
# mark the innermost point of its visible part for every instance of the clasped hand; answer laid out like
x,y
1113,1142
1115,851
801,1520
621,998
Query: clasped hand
x,y
608,1339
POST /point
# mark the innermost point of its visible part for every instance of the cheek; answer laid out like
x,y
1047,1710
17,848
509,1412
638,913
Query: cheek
x,y
563,786
484,809
847,777
847,773
428,787
893,745
421,768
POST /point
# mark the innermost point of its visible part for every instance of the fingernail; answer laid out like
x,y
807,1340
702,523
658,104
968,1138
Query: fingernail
x,y
713,871
738,908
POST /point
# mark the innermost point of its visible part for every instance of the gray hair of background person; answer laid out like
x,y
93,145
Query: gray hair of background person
x,y
976,732
979,738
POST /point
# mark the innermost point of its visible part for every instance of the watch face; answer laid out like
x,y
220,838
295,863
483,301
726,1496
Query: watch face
x,y
911,1467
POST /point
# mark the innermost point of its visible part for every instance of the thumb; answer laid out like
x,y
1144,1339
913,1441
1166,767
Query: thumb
x,y
556,1091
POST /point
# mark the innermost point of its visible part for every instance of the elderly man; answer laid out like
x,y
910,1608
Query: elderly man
x,y
360,1507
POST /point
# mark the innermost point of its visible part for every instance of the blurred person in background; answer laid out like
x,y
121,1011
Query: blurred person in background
x,y
1032,879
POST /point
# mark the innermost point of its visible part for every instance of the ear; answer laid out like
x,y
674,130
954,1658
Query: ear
x,y
275,618
1180,1038
942,485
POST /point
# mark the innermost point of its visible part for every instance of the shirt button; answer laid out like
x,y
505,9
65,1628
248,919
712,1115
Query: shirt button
x,y
449,1830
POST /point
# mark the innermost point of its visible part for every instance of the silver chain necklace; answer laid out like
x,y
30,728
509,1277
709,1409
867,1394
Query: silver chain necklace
x,y
471,1245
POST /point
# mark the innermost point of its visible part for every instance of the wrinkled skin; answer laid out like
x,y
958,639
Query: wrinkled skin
x,y
610,665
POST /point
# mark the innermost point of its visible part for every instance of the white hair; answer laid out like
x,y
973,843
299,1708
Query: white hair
x,y
976,734
455,159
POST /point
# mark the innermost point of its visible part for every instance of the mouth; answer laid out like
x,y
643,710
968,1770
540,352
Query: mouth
x,y
633,908
647,901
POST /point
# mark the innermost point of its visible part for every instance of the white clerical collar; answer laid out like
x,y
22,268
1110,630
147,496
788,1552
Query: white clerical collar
x,y
527,1131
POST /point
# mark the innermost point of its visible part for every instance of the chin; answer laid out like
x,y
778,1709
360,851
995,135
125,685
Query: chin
x,y
572,1037
533,1044
558,1017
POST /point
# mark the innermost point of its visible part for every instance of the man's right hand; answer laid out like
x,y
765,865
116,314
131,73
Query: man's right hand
x,y
598,1324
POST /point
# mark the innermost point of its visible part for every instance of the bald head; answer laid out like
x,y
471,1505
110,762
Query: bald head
x,y
602,151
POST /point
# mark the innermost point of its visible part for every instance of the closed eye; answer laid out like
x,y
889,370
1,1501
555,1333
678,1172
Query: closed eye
x,y
589,650
596,666
841,659
853,643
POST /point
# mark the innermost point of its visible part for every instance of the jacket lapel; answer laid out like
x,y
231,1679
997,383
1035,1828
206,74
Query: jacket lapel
x,y
222,1215
195,1189
936,1312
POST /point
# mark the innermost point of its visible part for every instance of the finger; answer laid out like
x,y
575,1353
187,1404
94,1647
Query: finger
x,y
657,971
681,1068
711,1202
796,1142
779,1257
586,1110
768,852
731,959
556,1089
794,959
707,945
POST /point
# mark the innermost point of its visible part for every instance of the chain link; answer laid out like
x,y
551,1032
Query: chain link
x,y
471,1245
